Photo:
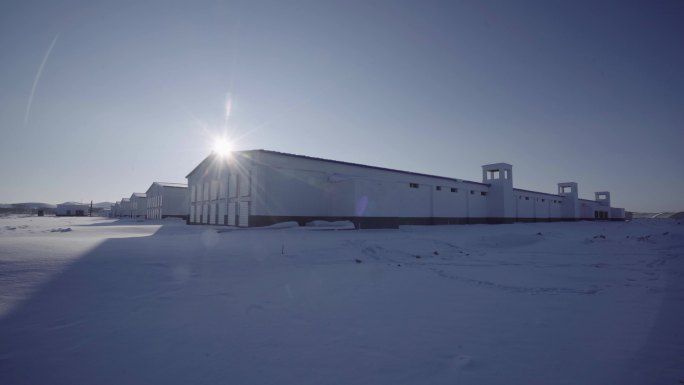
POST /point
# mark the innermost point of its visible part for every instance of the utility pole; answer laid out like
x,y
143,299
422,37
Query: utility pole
x,y
91,209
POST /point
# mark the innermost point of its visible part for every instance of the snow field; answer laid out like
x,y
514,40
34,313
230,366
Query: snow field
x,y
121,301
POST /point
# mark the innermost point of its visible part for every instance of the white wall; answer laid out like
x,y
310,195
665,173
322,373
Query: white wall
x,y
216,183
277,185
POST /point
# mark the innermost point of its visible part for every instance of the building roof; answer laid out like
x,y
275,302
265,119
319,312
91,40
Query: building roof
x,y
212,155
138,195
537,192
168,184
586,200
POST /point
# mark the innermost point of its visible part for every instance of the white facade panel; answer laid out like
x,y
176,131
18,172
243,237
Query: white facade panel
x,y
243,214
232,213
212,214
244,184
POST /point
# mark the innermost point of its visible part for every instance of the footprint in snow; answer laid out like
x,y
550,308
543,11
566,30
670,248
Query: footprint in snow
x,y
462,362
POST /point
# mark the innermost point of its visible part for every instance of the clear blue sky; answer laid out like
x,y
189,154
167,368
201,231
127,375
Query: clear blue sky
x,y
131,92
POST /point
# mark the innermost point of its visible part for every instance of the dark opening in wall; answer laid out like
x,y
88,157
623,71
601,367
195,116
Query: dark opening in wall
x,y
413,185
453,189
527,198
438,188
472,192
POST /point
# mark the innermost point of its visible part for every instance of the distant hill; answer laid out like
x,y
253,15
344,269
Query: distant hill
x,y
27,205
41,205
99,205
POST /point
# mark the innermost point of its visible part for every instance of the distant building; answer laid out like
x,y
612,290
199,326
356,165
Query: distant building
x,y
260,187
125,208
72,210
138,205
115,210
166,200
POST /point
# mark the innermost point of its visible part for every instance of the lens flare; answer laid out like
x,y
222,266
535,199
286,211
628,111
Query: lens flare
x,y
222,146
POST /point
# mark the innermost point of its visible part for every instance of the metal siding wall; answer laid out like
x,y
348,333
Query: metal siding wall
x,y
232,190
231,213
222,212
244,214
244,184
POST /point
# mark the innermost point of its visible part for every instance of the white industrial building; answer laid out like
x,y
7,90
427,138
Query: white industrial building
x,y
116,209
72,210
138,205
125,208
166,200
260,187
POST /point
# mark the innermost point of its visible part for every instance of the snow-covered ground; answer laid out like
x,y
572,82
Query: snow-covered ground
x,y
98,301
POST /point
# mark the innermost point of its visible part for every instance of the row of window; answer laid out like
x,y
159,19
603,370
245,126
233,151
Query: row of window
x,y
538,199
452,189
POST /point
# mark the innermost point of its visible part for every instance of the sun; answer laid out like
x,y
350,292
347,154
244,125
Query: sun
x,y
222,146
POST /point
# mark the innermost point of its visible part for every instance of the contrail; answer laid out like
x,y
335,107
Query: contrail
x,y
37,79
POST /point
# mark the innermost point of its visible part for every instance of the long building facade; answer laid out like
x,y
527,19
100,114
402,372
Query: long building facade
x,y
260,188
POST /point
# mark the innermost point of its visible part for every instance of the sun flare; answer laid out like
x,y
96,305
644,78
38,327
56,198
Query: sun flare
x,y
222,146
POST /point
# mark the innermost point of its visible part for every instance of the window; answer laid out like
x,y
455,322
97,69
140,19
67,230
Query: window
x,y
483,193
454,189
413,185
527,198
438,188
543,200
472,192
